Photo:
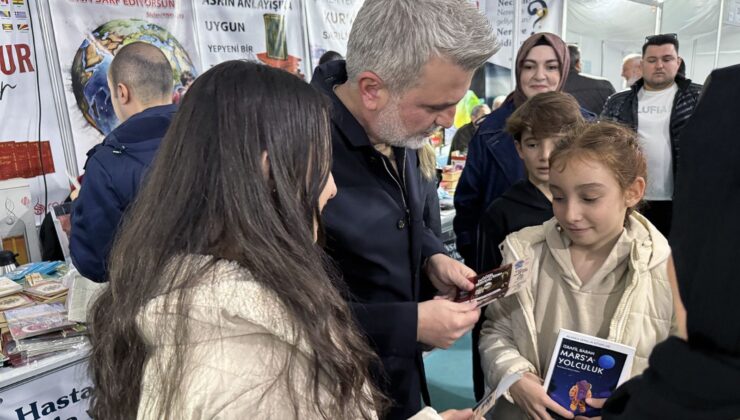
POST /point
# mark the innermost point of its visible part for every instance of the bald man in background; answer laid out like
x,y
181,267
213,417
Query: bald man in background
x,y
140,80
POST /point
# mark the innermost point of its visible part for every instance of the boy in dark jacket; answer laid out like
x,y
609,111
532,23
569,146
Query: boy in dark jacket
x,y
140,80
535,126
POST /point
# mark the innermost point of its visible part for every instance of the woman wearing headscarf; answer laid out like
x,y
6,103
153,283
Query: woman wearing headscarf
x,y
698,378
492,164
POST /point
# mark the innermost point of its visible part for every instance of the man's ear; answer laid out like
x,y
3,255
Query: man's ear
x,y
373,92
518,145
123,93
634,193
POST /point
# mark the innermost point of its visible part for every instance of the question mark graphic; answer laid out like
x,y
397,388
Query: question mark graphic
x,y
540,12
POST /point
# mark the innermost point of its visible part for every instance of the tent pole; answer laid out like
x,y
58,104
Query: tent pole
x,y
719,33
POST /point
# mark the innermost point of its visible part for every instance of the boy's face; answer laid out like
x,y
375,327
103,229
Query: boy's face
x,y
535,152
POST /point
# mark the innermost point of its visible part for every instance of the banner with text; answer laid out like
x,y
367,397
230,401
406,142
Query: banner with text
x,y
88,34
58,394
329,23
267,31
28,115
536,16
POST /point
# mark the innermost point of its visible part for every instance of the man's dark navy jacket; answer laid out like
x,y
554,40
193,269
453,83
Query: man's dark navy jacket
x,y
113,174
377,236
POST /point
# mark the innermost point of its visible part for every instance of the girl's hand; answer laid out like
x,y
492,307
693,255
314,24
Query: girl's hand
x,y
457,414
531,397
595,403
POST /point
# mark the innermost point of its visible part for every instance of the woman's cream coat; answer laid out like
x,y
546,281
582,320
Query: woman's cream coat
x,y
235,359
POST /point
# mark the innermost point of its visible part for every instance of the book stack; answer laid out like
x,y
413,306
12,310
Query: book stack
x,y
46,268
47,292
40,331
14,301
10,298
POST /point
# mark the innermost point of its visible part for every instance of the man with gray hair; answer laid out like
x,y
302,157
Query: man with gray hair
x,y
631,69
409,62
140,81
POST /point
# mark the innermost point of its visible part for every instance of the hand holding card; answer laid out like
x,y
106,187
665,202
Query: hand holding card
x,y
500,282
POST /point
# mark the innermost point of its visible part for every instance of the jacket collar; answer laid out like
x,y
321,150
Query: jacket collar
x,y
650,247
681,82
151,123
326,77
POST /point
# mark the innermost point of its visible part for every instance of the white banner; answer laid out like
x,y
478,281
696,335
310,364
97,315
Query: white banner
x,y
89,32
329,23
28,113
536,16
268,31
55,395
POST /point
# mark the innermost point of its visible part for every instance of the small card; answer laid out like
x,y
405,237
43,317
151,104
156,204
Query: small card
x,y
500,282
484,405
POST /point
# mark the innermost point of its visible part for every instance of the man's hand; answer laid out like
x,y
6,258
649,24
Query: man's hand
x,y
595,403
448,274
529,394
441,322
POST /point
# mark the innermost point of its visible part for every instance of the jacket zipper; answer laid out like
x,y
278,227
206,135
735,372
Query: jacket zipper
x,y
532,329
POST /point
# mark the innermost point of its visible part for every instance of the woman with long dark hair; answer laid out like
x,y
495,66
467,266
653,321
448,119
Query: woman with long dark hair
x,y
220,305
218,296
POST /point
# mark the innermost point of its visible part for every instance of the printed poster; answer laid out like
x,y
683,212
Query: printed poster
x,y
329,23
58,393
30,141
89,32
267,31
536,16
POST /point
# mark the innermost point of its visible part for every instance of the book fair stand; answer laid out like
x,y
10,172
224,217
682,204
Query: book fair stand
x,y
55,106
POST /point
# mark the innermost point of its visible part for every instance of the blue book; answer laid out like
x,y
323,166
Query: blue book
x,y
583,366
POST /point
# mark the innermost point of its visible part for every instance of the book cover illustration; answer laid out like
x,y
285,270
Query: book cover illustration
x,y
17,300
47,289
37,320
583,367
8,287
497,283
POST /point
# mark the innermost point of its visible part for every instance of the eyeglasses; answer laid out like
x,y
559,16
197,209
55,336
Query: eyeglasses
x,y
652,37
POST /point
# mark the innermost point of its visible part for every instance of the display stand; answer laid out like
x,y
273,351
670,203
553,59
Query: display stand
x,y
54,388
448,234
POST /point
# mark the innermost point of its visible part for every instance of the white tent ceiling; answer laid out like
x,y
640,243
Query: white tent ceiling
x,y
625,20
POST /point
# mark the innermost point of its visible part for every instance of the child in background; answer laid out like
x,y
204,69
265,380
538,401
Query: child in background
x,y
600,268
535,126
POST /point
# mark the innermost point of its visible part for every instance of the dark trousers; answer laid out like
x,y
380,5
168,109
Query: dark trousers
x,y
479,387
659,213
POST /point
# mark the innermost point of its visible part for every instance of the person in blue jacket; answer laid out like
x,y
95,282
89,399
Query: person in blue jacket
x,y
492,164
409,63
141,82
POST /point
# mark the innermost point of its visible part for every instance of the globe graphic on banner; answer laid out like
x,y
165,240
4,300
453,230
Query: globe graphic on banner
x,y
90,65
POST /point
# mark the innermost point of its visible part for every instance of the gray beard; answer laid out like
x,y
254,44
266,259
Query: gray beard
x,y
414,142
